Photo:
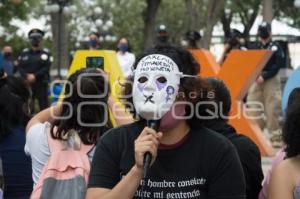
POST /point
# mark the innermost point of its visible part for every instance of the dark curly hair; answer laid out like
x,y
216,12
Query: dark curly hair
x,y
188,66
14,100
90,83
221,96
291,127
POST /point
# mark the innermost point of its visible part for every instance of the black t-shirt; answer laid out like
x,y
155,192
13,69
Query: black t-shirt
x,y
205,165
248,153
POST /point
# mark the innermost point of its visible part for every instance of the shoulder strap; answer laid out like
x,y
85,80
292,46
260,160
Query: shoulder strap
x,y
56,145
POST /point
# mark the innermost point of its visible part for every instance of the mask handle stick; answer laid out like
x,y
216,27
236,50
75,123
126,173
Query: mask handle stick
x,y
154,124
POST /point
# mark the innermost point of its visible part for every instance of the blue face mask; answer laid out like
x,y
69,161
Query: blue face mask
x,y
93,43
123,47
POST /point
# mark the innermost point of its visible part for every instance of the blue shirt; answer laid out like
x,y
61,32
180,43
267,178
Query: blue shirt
x,y
16,166
8,66
1,61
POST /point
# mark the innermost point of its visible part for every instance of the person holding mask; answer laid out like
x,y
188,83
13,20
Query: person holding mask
x,y
125,57
34,64
8,64
94,42
188,160
267,88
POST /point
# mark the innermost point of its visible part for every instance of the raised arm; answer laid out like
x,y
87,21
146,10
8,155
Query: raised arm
x,y
44,116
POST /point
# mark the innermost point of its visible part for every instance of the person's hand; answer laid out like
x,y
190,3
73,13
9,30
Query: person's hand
x,y
260,80
147,141
16,63
30,77
227,46
242,41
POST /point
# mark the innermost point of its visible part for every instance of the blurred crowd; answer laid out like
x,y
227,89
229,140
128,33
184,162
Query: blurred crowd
x,y
26,121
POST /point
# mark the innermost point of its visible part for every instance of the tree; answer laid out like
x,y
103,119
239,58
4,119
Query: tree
x,y
10,10
149,22
15,10
203,15
60,38
287,12
194,11
244,12
57,23
128,22
213,12
173,15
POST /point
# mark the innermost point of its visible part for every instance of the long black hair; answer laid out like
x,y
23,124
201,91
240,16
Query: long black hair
x,y
79,104
291,127
14,100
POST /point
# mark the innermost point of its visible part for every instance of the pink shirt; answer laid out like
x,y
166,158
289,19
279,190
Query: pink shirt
x,y
277,159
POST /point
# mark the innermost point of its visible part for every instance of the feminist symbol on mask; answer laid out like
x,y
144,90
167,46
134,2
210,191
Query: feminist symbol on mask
x,y
170,91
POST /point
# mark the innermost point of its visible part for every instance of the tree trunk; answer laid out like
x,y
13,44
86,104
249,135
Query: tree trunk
x,y
247,18
194,11
213,12
149,21
226,21
60,47
268,10
250,23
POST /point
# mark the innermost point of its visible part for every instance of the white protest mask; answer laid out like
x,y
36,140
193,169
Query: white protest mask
x,y
155,86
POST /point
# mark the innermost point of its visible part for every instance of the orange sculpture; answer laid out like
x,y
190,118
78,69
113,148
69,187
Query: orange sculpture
x,y
238,72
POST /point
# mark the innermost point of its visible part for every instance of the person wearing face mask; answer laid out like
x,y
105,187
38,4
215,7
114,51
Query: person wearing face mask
x,y
34,64
125,57
8,64
267,88
163,35
93,41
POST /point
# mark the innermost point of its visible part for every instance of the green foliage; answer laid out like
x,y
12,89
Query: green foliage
x,y
284,10
172,13
18,43
239,11
127,17
10,10
128,21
